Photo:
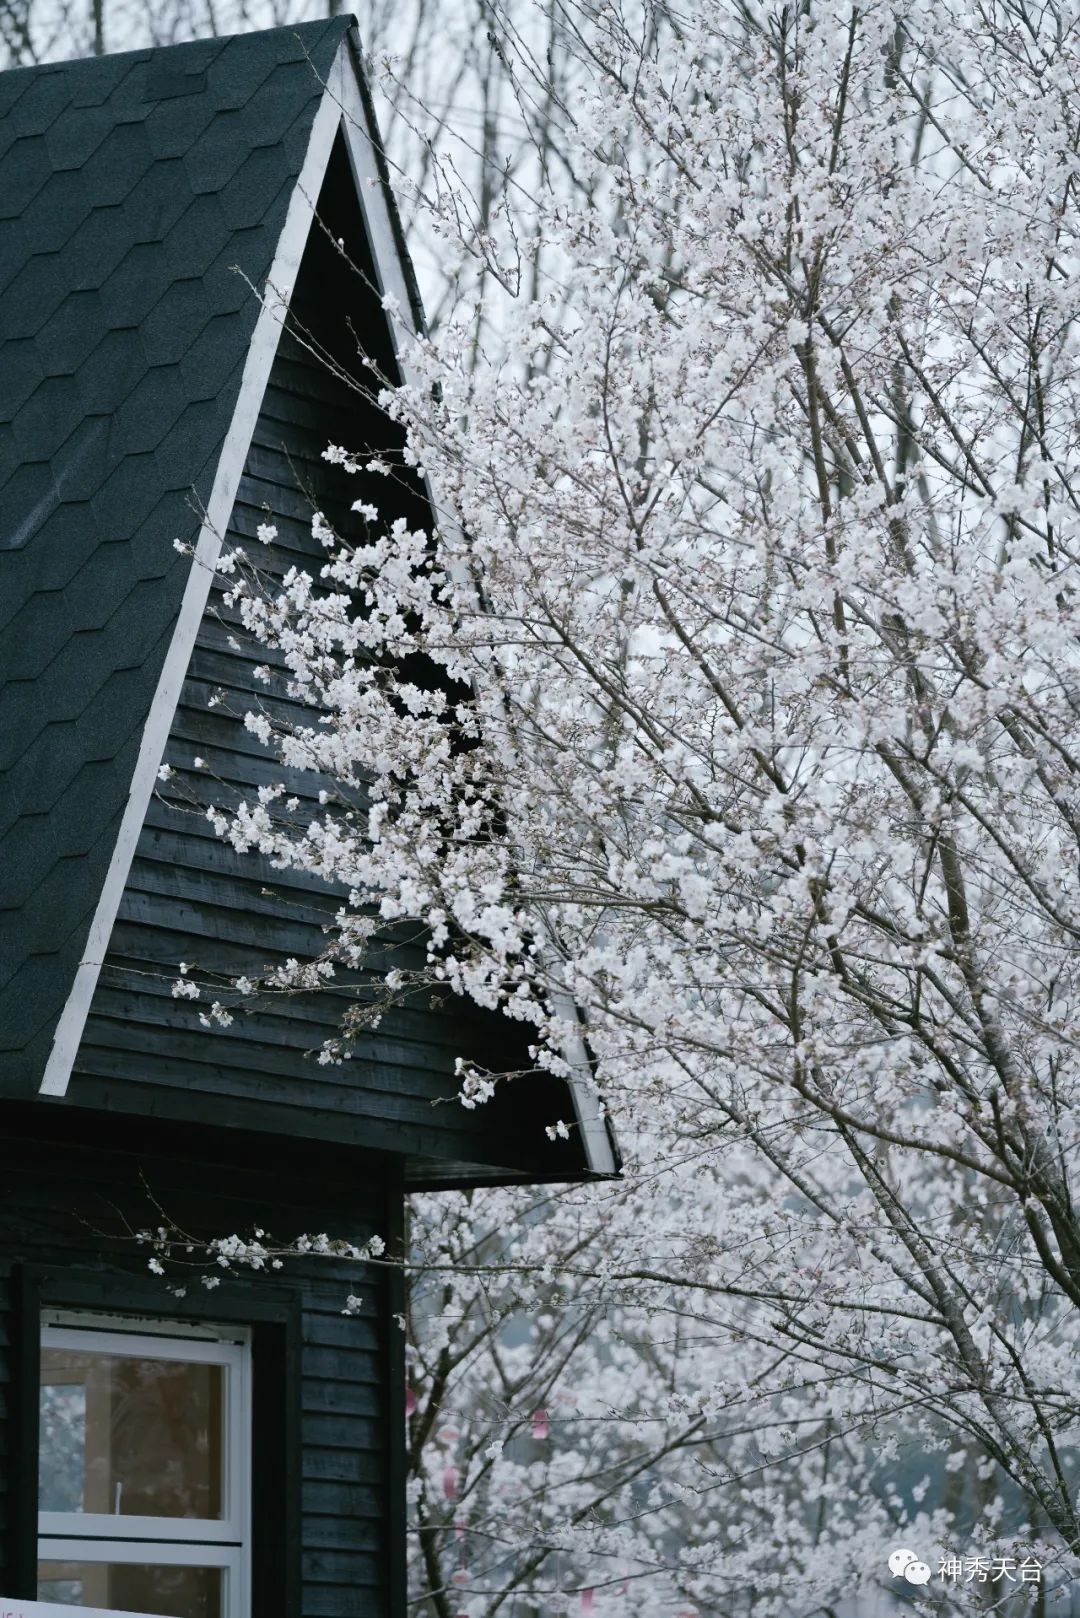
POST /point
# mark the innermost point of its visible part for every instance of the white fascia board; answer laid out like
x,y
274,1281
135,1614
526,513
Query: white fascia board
x,y
360,140
260,357
590,1116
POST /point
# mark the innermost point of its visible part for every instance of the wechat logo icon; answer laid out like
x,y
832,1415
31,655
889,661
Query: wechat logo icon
x,y
914,1570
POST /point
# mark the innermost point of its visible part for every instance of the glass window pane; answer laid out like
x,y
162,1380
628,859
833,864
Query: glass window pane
x,y
178,1592
62,1445
130,1436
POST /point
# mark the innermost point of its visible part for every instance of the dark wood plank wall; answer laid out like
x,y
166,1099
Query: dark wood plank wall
x,y
191,898
62,1209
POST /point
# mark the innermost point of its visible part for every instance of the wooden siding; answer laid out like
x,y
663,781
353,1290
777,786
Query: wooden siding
x,y
62,1214
191,898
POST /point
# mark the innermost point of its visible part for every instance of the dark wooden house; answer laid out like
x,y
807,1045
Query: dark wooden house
x,y
181,231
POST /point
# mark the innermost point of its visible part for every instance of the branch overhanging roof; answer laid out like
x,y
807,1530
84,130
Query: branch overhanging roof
x,y
153,206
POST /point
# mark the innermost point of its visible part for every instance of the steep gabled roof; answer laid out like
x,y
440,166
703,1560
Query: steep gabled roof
x,y
145,195
163,199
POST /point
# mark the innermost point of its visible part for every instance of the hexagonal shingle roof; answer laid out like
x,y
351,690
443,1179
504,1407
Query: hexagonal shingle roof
x,y
142,199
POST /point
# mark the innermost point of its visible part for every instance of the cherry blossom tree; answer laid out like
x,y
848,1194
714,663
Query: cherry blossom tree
x,y
757,746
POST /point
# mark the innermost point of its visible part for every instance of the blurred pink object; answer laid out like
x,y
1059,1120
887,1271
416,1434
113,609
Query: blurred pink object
x,y
541,1426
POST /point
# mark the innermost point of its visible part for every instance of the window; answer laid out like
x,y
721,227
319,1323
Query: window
x,y
144,1467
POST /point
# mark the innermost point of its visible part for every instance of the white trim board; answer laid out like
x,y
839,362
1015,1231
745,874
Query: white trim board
x,y
360,142
260,357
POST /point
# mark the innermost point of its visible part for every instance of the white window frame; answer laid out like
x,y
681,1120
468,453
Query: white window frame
x,y
225,1542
